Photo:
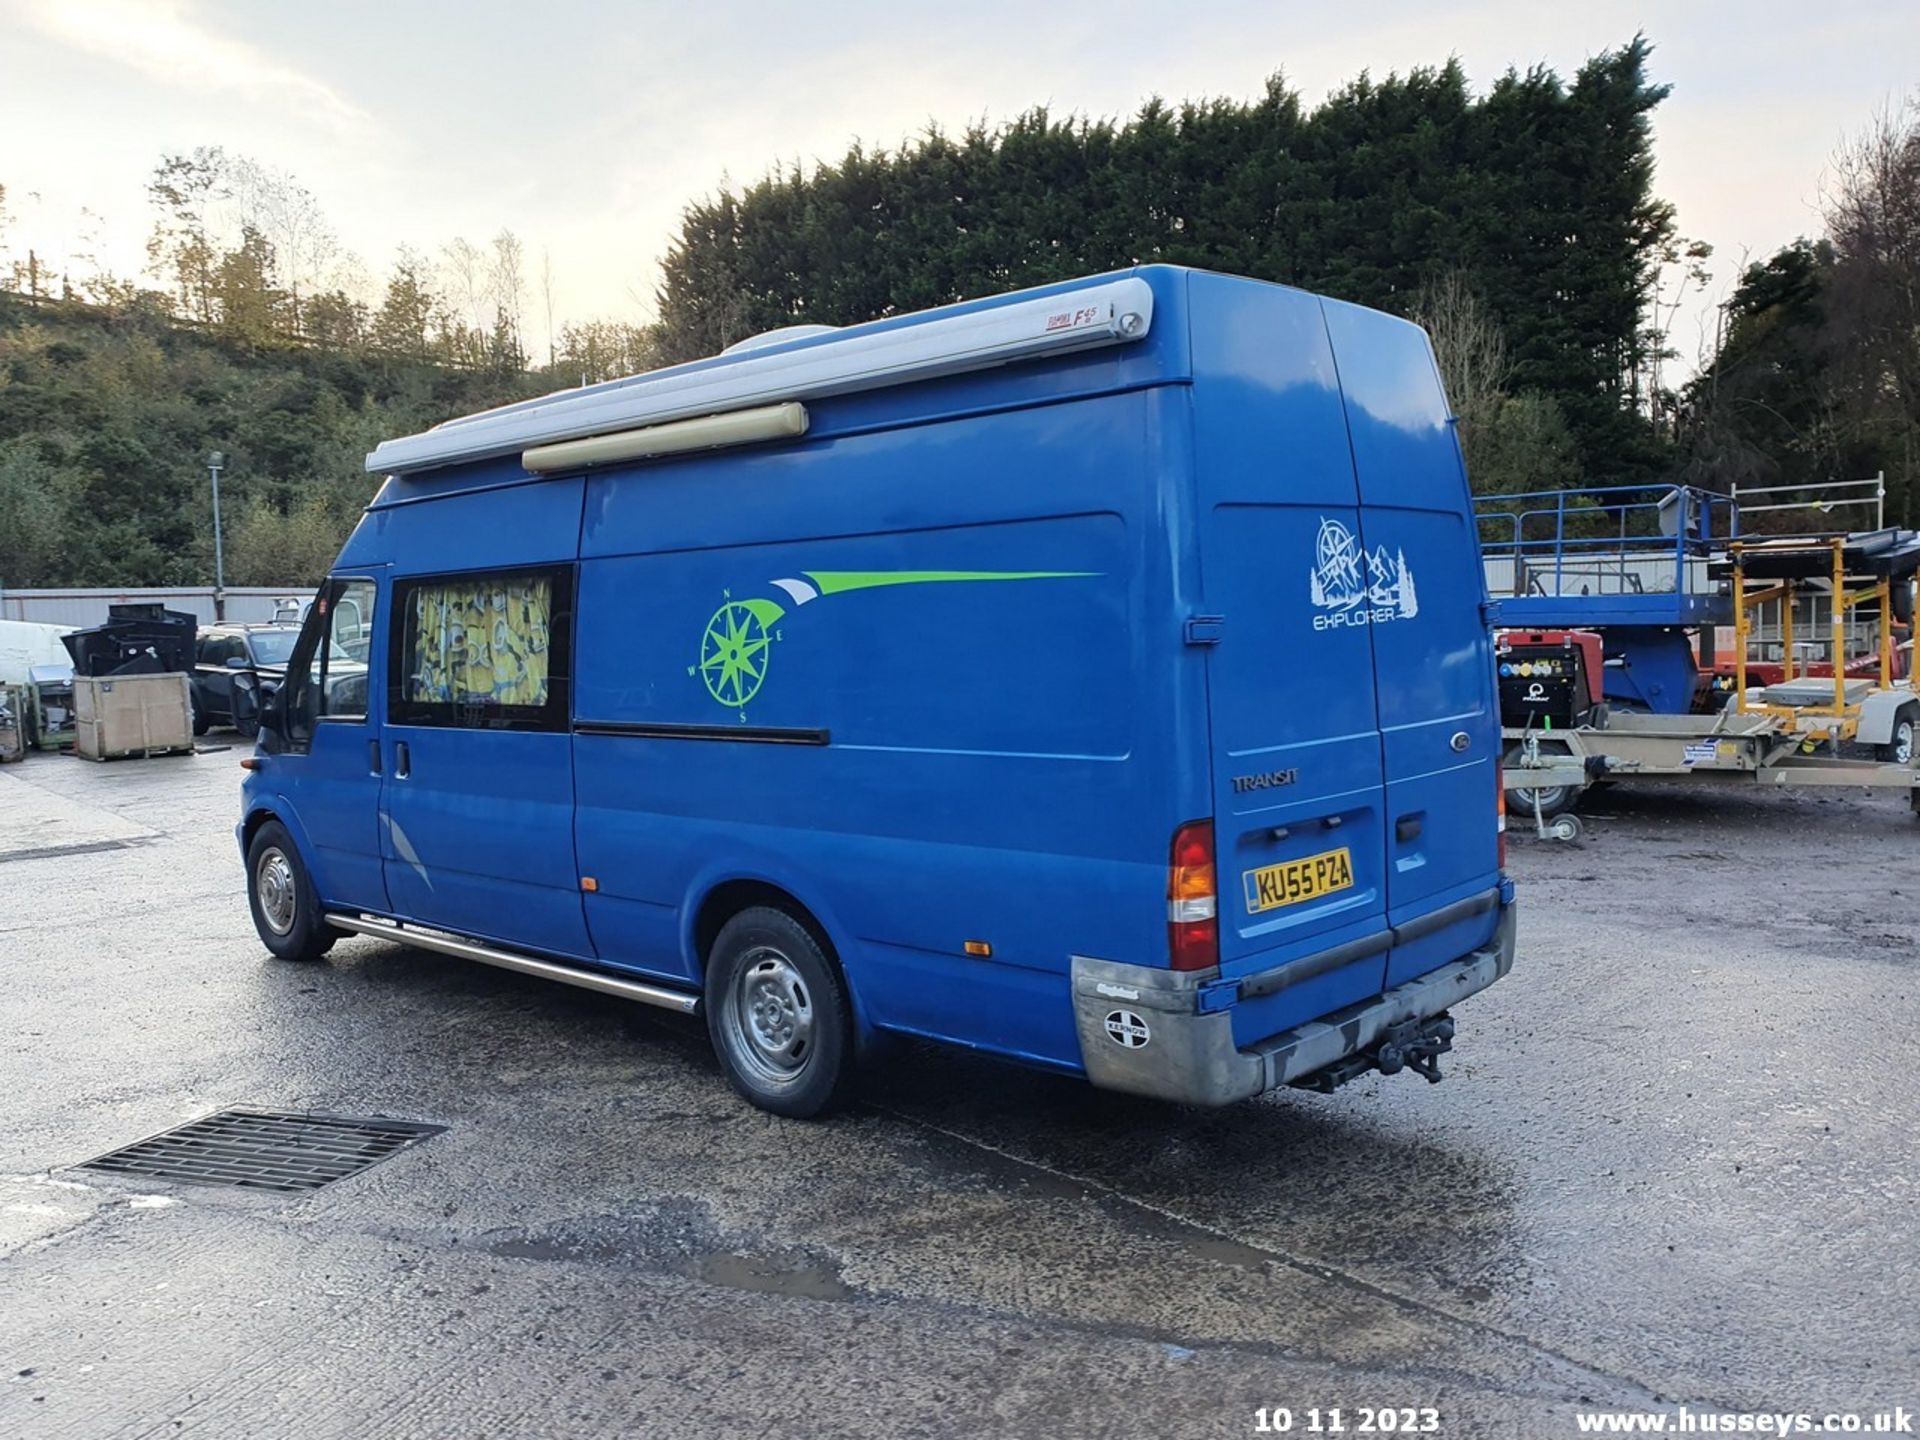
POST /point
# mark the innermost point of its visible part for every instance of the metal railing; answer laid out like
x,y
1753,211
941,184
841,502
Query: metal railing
x,y
1869,495
1618,540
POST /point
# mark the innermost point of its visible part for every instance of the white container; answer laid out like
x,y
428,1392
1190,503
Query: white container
x,y
120,715
14,700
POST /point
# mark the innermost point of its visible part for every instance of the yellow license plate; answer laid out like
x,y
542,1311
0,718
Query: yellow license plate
x,y
1293,881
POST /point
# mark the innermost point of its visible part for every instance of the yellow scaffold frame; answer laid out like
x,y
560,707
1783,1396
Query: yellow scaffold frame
x,y
1843,718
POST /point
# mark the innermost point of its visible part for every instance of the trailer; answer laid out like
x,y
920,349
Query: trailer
x,y
1606,611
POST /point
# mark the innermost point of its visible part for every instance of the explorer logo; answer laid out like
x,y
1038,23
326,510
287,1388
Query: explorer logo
x,y
1355,588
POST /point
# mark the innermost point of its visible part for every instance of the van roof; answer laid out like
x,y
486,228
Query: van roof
x,y
1052,320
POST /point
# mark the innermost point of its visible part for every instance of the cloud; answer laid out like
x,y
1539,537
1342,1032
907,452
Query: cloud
x,y
164,40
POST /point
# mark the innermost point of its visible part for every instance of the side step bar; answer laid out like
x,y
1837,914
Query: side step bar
x,y
526,964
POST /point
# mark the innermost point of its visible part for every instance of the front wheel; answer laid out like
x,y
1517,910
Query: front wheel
x,y
778,1014
286,911
1899,749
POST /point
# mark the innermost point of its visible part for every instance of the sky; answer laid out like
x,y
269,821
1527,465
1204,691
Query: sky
x,y
586,127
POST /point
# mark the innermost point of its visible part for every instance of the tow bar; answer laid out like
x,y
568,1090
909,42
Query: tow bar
x,y
1415,1045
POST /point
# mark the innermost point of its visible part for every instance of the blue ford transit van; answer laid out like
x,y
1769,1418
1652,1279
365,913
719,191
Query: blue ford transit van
x,y
1096,676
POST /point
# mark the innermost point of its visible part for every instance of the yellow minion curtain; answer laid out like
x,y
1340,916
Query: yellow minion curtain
x,y
486,640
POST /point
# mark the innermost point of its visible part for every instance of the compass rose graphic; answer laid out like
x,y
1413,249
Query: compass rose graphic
x,y
733,652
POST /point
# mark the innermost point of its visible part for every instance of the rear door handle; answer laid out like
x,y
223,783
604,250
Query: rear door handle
x,y
373,757
402,760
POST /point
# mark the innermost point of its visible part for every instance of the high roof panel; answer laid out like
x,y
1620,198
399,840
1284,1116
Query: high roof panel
x,y
948,341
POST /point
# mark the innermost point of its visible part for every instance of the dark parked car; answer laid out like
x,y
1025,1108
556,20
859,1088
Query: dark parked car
x,y
224,651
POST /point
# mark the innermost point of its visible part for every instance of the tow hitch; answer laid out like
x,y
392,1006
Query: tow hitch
x,y
1415,1045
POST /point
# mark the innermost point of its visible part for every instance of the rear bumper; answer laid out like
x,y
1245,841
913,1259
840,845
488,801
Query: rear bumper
x,y
1140,1030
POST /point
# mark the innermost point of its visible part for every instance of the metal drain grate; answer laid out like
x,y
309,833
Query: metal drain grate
x,y
260,1150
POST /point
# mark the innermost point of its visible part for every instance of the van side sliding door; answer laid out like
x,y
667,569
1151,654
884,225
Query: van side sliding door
x,y
477,833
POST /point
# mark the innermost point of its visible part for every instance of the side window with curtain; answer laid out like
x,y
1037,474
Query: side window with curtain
x,y
486,651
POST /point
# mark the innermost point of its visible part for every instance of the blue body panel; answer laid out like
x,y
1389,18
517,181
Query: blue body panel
x,y
1439,723
928,670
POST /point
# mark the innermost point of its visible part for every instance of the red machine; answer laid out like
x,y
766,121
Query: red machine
x,y
1549,679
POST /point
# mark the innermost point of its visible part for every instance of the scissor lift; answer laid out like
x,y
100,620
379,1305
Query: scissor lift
x,y
1651,578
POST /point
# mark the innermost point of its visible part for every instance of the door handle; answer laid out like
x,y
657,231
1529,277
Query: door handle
x,y
402,760
373,757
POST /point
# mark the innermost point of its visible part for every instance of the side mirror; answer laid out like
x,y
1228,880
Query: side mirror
x,y
247,709
273,715
239,662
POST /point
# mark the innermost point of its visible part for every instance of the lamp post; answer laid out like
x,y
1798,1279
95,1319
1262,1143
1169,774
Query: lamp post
x,y
214,463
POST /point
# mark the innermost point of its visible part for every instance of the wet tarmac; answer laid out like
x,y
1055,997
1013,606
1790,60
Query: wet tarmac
x,y
1674,1162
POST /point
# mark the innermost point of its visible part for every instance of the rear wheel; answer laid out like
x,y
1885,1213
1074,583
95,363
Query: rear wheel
x,y
1899,749
286,911
778,1014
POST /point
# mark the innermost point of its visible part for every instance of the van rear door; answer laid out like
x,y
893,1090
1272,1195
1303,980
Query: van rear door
x,y
1432,651
1295,740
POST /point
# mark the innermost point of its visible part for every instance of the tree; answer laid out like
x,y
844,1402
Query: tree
x,y
296,546
1540,190
335,320
1816,376
604,350
1468,345
31,514
185,188
285,212
546,296
505,283
406,314
1872,210
249,303
1511,444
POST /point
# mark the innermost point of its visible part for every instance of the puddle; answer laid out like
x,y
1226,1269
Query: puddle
x,y
674,1242
771,1275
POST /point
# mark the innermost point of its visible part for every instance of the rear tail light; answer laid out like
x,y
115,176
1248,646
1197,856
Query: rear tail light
x,y
1193,899
1500,806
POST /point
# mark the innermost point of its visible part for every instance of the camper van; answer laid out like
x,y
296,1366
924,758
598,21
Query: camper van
x,y
1096,677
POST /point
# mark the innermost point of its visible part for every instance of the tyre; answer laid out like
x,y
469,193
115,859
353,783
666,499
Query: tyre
x,y
286,911
200,722
1551,799
1899,749
778,1014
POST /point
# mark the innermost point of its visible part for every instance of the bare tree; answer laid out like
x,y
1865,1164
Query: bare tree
x,y
1467,343
1872,205
546,290
1511,443
286,213
465,268
506,285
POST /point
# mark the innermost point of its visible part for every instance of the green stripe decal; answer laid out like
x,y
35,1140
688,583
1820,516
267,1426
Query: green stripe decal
x,y
833,582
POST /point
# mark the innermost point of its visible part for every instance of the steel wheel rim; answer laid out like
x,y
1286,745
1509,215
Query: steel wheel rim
x,y
770,1017
274,888
1550,797
1903,742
